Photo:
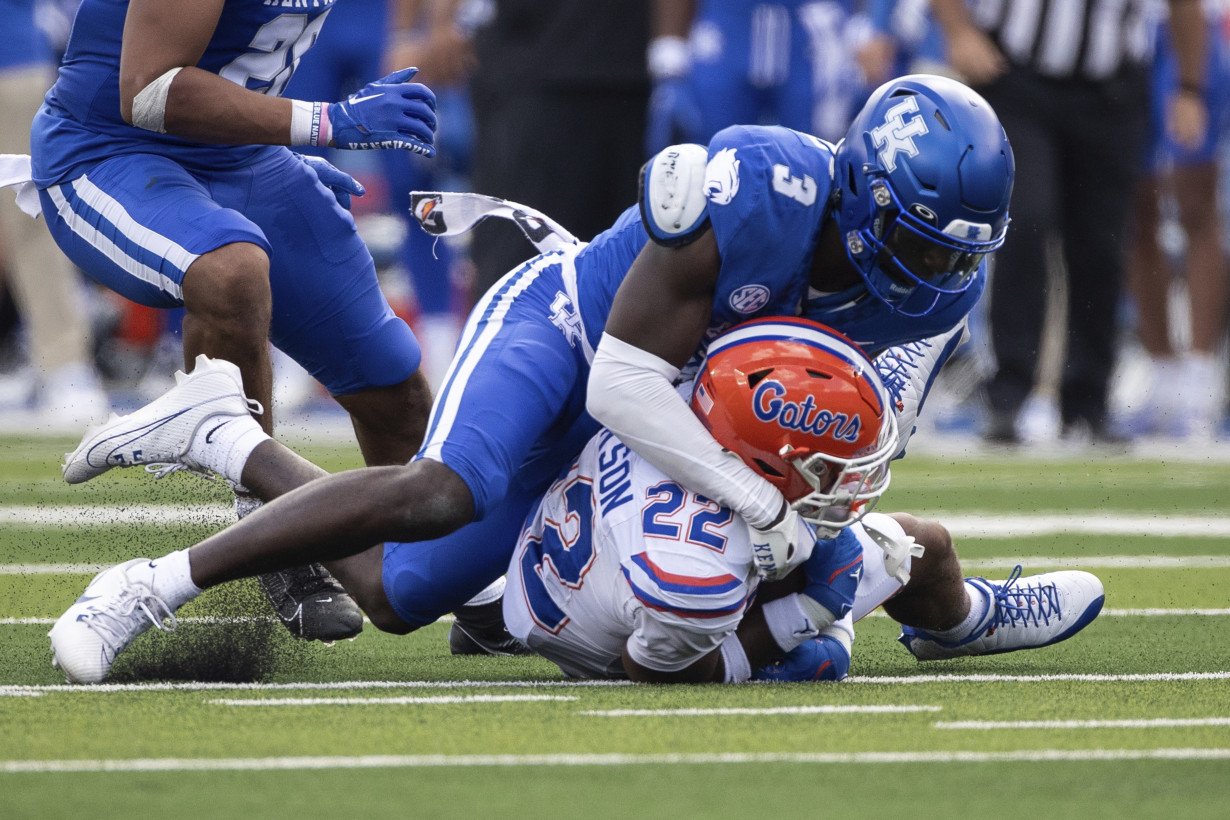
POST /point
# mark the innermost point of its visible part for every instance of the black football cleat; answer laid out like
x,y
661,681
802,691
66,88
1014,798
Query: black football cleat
x,y
312,604
480,630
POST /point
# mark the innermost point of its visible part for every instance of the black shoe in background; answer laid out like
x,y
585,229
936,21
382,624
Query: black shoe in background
x,y
1000,429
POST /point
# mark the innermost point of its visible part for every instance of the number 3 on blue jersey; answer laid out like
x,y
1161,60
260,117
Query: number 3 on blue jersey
x,y
566,550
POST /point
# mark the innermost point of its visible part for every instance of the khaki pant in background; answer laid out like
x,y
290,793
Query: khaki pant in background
x,y
44,284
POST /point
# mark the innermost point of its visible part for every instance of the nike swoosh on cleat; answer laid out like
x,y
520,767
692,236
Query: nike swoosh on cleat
x,y
324,600
209,436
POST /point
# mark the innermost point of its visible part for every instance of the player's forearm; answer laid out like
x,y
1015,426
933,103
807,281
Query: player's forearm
x,y
630,393
1189,33
204,107
952,15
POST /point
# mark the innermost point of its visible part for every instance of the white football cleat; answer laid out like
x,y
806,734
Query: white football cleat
x,y
1024,613
114,609
162,431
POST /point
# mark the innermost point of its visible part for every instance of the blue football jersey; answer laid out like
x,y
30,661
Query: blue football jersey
x,y
257,44
874,327
766,189
767,192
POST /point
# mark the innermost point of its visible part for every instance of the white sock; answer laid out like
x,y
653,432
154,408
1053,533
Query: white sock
x,y
979,602
224,445
491,593
172,579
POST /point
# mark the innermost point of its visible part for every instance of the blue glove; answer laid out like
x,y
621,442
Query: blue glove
x,y
833,572
821,658
389,113
342,184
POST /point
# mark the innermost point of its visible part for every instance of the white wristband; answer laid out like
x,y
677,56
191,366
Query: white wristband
x,y
668,57
788,622
309,123
149,106
737,668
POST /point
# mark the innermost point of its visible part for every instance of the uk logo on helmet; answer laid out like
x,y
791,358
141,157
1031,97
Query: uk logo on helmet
x,y
749,298
896,135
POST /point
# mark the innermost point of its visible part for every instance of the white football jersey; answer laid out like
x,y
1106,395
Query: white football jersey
x,y
617,555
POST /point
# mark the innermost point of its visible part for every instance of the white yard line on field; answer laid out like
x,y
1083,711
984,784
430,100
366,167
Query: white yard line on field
x,y
1145,677
961,524
107,515
1146,723
1147,612
403,701
775,710
206,764
206,686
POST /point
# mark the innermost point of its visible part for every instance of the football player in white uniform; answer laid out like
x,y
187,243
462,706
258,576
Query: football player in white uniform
x,y
621,571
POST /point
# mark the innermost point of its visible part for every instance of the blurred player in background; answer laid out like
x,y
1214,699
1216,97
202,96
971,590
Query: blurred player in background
x,y
348,52
1185,391
720,63
738,230
162,173
44,285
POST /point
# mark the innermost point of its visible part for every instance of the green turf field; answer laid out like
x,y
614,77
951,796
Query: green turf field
x,y
1130,718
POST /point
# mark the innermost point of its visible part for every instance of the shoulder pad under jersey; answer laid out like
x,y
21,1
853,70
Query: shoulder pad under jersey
x,y
672,195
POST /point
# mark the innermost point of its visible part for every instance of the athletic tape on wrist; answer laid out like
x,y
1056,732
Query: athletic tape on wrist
x,y
734,658
788,622
309,123
149,106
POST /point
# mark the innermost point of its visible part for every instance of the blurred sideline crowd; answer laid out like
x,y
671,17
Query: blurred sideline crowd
x,y
1105,318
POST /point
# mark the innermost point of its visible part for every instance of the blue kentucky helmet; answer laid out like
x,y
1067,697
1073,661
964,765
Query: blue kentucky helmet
x,y
925,174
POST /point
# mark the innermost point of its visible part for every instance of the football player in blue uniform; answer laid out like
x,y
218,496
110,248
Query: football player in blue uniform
x,y
790,63
163,173
883,237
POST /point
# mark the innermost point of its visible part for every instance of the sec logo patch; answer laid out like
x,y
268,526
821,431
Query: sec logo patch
x,y
749,298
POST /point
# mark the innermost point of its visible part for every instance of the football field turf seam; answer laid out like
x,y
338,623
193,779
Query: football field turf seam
x,y
1143,723
205,764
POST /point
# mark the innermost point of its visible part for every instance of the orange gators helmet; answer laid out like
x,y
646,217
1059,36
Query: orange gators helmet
x,y
802,406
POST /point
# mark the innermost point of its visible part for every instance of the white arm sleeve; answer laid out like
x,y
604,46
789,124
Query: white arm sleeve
x,y
630,393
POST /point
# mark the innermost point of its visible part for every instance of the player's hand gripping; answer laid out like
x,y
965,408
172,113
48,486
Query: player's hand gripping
x,y
388,113
342,184
782,546
832,575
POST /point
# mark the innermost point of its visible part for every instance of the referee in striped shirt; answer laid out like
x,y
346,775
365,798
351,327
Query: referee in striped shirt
x,y
1069,81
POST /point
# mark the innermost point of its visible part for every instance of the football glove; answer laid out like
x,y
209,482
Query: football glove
x,y
342,184
821,658
388,113
833,572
